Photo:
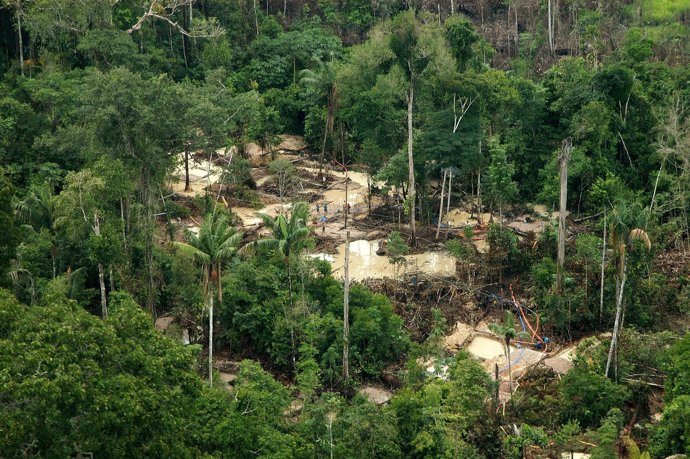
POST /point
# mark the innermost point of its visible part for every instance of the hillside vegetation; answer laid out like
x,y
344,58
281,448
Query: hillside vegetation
x,y
362,229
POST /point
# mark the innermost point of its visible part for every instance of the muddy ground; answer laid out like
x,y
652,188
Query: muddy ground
x,y
466,293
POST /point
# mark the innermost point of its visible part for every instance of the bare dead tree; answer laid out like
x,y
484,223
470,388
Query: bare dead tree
x,y
563,158
465,104
165,10
346,313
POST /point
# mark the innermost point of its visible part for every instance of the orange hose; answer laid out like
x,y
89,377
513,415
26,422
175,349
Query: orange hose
x,y
524,317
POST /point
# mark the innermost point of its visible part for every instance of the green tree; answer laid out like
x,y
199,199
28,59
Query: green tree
x,y
502,187
445,418
670,436
215,245
60,37
587,396
566,437
607,435
507,331
627,222
516,445
79,213
397,249
290,237
290,234
372,104
322,81
503,249
7,226
127,393
19,15
412,55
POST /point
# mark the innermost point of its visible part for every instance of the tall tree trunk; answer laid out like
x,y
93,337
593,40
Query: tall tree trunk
x,y
498,383
410,160
510,368
124,223
603,259
210,337
150,222
450,189
564,158
472,195
101,272
101,283
322,159
346,313
293,345
346,209
452,7
186,167
53,256
619,310
656,184
440,208
185,38
508,31
21,41
550,25
517,32
480,218
256,18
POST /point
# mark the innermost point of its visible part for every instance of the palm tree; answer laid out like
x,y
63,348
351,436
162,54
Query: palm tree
x,y
36,209
212,248
289,237
289,234
322,81
508,332
627,222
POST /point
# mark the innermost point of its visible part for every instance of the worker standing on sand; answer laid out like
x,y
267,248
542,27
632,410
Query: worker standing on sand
x,y
325,208
318,207
323,223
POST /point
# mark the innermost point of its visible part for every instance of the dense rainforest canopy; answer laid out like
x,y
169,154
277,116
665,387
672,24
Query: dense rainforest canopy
x,y
319,228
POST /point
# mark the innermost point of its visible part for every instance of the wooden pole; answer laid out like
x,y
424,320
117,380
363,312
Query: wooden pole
x,y
440,208
346,313
564,157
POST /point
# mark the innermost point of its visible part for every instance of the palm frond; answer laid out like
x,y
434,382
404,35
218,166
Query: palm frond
x,y
247,249
191,251
641,235
76,281
268,221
